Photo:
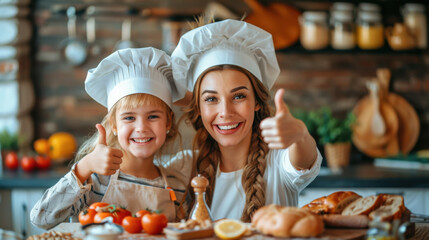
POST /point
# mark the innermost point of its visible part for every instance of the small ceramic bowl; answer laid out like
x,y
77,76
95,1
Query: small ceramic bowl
x,y
102,231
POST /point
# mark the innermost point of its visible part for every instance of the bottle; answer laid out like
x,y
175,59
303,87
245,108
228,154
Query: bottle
x,y
200,210
314,30
415,19
342,30
379,230
369,31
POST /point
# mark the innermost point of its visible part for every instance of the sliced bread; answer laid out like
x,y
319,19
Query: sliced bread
x,y
337,201
391,208
363,206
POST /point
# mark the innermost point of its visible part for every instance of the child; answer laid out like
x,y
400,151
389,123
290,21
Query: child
x,y
249,161
121,163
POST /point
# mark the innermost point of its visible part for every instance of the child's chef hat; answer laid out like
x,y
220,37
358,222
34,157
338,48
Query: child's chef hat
x,y
229,42
130,71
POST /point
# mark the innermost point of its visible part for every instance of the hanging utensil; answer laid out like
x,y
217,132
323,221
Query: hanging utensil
x,y
75,49
378,127
93,48
125,41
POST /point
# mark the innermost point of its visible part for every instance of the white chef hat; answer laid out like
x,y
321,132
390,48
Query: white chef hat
x,y
130,71
229,42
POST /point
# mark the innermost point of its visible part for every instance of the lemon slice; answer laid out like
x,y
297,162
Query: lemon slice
x,y
229,229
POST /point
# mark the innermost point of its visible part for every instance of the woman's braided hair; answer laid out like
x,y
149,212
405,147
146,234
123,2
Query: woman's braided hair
x,y
207,155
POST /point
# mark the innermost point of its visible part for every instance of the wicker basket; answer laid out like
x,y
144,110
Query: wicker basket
x,y
337,155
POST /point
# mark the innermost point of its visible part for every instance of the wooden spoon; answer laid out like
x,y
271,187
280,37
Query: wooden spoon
x,y
378,127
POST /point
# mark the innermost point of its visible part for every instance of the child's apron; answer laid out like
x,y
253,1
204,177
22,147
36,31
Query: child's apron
x,y
137,197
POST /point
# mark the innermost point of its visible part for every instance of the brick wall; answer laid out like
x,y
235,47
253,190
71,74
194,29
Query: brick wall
x,y
312,80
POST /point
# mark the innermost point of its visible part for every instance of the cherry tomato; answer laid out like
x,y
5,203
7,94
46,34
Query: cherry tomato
x,y
98,218
141,213
87,216
98,205
132,224
43,162
28,163
154,223
11,160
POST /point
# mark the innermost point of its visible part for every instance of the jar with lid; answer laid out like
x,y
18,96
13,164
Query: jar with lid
x,y
314,30
415,19
342,30
369,31
343,6
368,7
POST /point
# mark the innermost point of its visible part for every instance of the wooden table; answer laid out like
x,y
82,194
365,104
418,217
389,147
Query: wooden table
x,y
422,232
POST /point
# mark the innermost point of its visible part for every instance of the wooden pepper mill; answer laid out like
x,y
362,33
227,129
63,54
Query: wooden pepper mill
x,y
200,211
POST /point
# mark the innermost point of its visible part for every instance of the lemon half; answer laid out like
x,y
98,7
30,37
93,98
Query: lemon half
x,y
230,229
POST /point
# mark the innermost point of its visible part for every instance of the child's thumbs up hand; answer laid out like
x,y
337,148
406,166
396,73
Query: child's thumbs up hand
x,y
105,160
283,129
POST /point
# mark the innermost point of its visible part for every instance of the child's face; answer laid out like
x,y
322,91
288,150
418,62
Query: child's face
x,y
141,131
227,103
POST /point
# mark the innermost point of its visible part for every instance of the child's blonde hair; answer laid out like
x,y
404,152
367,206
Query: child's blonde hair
x,y
207,153
109,122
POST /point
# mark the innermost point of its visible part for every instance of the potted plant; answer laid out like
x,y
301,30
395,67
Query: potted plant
x,y
8,142
335,134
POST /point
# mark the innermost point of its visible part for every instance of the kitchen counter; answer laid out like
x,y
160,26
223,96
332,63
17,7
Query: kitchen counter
x,y
421,232
36,179
363,176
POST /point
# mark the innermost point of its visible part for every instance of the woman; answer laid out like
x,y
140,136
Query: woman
x,y
249,158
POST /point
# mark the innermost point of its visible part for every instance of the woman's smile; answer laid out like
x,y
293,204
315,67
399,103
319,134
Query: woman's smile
x,y
228,128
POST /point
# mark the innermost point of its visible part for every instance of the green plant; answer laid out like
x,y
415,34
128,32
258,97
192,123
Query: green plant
x,y
327,128
8,141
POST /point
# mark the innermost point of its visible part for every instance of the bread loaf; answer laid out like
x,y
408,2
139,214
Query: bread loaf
x,y
363,206
333,203
338,220
391,208
287,222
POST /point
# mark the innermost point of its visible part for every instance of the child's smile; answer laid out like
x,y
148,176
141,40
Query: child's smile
x,y
141,130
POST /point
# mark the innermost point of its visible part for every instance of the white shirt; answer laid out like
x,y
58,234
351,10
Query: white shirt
x,y
282,185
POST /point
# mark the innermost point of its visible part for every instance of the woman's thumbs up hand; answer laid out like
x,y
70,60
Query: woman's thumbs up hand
x,y
282,130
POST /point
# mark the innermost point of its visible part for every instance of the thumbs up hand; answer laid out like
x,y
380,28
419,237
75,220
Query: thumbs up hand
x,y
282,130
105,160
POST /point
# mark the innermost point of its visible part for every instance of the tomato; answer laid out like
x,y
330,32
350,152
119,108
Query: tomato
x,y
87,216
98,218
28,163
98,205
132,224
120,213
154,223
43,162
11,160
141,213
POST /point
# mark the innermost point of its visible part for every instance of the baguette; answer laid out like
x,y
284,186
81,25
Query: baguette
x,y
363,206
287,222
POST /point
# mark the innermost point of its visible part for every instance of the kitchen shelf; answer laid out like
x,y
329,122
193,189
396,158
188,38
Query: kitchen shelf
x,y
298,49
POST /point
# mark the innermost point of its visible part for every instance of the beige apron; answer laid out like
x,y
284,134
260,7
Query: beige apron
x,y
137,197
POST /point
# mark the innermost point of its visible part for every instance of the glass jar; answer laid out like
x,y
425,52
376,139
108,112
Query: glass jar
x,y
369,31
342,30
368,7
415,19
343,6
314,30
379,230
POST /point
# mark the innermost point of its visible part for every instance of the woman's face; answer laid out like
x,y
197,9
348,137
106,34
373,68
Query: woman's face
x,y
141,131
227,105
